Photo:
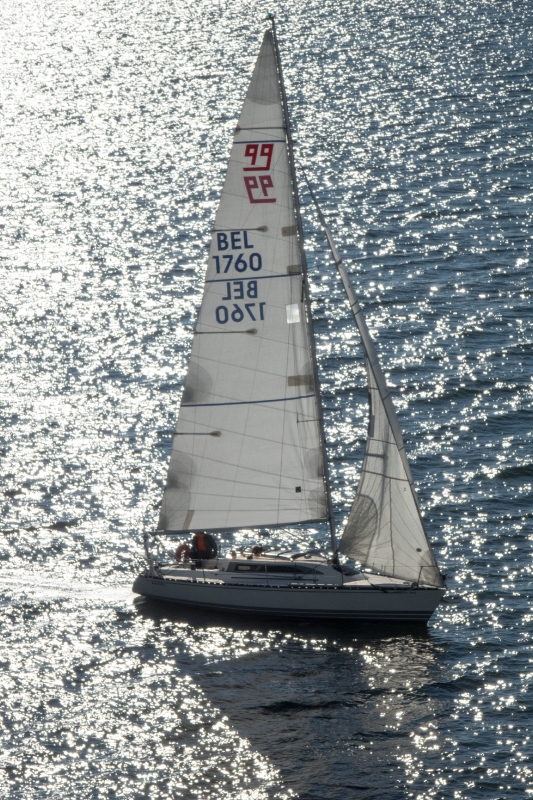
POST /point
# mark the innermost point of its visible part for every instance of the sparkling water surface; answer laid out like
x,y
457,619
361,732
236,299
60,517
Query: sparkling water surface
x,y
414,124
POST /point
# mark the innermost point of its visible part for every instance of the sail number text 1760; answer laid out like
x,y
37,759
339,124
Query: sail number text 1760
x,y
231,260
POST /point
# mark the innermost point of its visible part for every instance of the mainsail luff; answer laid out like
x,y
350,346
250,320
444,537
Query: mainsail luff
x,y
367,537
247,445
305,287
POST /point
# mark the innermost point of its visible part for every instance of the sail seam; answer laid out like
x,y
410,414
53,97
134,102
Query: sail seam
x,y
255,278
236,230
382,475
264,141
247,402
262,128
164,531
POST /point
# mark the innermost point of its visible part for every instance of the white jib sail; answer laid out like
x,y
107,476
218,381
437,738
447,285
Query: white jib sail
x,y
385,529
246,449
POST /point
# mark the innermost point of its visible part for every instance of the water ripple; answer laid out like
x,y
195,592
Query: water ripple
x,y
414,125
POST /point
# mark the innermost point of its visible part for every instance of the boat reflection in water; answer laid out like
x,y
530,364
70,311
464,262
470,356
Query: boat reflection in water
x,y
311,699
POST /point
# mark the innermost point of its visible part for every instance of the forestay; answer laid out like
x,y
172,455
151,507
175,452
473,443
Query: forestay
x,y
247,449
385,529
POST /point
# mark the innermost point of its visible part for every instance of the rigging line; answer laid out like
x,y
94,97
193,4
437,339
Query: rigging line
x,y
247,402
305,288
368,345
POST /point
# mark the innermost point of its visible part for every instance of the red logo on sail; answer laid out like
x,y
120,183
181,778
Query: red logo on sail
x,y
260,155
252,152
263,184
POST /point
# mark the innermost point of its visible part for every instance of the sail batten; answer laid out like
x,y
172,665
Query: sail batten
x,y
247,402
241,457
385,530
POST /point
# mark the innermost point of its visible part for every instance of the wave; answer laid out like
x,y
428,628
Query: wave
x,y
522,471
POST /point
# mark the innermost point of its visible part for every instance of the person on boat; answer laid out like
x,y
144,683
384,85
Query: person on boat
x,y
203,548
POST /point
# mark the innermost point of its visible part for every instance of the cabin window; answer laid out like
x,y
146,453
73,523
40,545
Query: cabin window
x,y
288,570
249,567
282,569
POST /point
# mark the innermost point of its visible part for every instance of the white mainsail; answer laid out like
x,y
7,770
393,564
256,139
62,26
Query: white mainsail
x,y
247,449
385,529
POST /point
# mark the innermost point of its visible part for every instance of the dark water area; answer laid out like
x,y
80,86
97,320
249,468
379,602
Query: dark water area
x,y
414,124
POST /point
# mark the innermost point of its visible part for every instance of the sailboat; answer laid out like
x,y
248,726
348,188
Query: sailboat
x,y
249,449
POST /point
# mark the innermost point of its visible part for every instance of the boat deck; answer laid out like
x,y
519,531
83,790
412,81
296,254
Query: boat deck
x,y
272,570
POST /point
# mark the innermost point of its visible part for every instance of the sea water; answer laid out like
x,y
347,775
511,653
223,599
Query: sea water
x,y
413,121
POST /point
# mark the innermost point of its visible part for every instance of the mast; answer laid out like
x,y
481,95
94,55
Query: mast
x,y
305,288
